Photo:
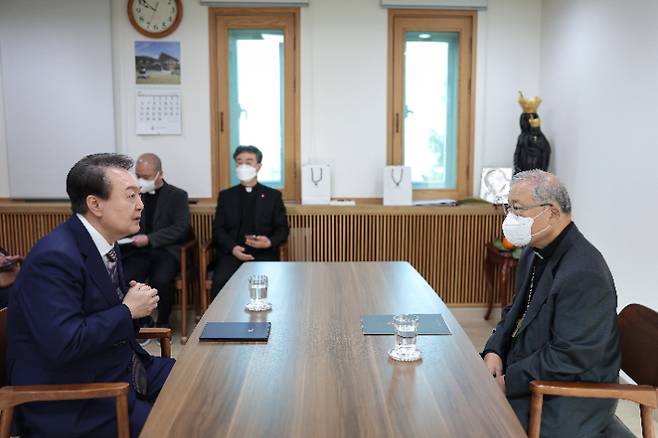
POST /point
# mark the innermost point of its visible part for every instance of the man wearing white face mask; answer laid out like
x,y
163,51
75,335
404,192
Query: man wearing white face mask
x,y
154,255
562,322
250,220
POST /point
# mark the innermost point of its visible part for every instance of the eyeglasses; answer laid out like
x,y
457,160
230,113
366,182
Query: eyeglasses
x,y
520,208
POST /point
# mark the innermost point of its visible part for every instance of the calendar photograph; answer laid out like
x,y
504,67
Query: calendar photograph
x,y
157,62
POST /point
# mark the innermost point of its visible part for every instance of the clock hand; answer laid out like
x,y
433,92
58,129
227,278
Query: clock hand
x,y
154,10
146,4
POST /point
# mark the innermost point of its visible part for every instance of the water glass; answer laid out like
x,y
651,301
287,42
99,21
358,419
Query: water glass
x,y
406,330
258,293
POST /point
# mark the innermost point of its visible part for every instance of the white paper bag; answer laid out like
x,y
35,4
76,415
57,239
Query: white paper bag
x,y
397,185
316,184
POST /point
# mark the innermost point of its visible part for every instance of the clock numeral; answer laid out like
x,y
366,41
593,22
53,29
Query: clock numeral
x,y
164,24
138,10
141,19
155,26
171,18
173,10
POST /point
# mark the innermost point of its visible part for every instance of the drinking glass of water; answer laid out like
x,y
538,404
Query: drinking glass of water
x,y
258,293
406,329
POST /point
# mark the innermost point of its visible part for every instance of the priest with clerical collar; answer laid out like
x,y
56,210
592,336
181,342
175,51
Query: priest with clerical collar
x,y
562,322
250,220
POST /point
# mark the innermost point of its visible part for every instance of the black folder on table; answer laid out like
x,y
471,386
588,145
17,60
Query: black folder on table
x,y
236,332
428,324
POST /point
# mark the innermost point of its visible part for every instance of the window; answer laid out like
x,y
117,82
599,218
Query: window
x,y
430,100
254,66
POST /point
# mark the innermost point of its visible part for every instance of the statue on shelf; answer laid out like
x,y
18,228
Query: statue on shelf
x,y
532,148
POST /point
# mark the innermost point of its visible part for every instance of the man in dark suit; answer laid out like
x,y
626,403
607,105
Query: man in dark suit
x,y
562,322
250,220
71,316
154,254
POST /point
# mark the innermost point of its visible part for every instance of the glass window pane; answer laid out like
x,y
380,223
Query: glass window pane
x,y
430,108
256,98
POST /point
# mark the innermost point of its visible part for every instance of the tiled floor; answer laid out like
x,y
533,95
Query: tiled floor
x,y
478,330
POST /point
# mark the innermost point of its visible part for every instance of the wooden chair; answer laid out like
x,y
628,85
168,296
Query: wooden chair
x,y
505,264
12,396
205,278
638,330
185,281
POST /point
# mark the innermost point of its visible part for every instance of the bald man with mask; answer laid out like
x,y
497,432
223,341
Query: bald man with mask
x,y
562,322
154,255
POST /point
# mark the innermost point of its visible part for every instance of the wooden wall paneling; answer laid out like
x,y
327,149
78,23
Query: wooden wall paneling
x,y
446,245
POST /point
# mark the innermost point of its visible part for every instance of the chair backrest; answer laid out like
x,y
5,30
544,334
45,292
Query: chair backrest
x,y
189,251
638,332
3,346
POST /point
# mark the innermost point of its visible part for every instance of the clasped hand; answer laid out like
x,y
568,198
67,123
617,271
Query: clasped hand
x,y
141,299
494,364
258,242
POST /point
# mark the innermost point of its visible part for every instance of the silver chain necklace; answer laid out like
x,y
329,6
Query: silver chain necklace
x,y
527,306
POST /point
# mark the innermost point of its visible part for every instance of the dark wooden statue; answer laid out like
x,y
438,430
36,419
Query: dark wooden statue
x,y
532,148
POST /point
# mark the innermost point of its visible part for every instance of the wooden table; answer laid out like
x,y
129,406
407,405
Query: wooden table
x,y
319,376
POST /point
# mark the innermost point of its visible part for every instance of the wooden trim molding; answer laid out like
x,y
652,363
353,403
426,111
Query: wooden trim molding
x,y
221,19
464,23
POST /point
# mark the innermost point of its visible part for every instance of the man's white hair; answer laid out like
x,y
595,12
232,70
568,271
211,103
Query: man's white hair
x,y
547,188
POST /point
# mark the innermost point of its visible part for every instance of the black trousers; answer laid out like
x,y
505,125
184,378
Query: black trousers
x,y
226,266
158,268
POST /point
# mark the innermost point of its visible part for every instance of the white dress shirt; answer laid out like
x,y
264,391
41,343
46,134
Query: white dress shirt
x,y
102,245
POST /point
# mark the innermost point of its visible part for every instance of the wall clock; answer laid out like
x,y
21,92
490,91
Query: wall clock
x,y
155,18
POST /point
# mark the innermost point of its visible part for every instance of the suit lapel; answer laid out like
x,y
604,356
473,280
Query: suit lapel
x,y
546,282
539,295
518,303
94,262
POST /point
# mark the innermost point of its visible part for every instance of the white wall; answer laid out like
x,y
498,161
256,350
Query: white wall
x,y
344,93
599,66
509,49
186,157
4,166
343,83
344,61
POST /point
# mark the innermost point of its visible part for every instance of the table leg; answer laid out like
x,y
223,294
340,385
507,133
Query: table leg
x,y
504,283
488,276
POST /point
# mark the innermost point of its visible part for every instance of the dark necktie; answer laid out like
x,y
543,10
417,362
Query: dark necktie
x,y
113,270
138,372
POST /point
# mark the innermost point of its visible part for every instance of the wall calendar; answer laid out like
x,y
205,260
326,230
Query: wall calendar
x,y
158,112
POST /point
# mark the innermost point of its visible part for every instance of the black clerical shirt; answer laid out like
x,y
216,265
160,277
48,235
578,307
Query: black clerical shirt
x,y
150,202
542,256
248,219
